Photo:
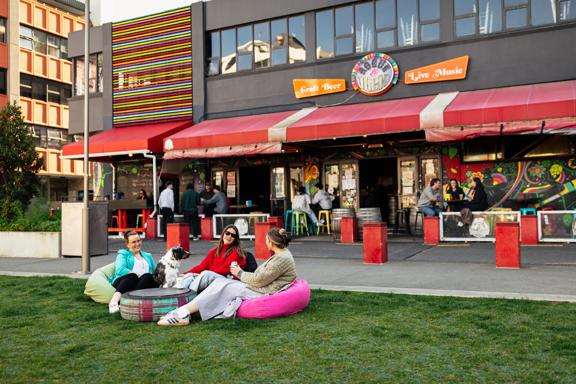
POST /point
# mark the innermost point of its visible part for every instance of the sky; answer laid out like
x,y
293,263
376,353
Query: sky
x,y
106,11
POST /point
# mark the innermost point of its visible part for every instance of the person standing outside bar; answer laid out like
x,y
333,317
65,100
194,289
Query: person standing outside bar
x,y
166,204
216,204
189,205
429,198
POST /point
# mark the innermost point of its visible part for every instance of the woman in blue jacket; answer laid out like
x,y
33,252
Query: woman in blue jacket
x,y
132,270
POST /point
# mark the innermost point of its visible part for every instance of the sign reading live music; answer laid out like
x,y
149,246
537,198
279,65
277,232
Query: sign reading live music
x,y
316,87
453,69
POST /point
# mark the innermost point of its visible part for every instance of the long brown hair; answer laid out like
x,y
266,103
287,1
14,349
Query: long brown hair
x,y
235,244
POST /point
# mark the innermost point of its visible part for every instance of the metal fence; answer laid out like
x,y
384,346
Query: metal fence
x,y
481,229
557,226
245,223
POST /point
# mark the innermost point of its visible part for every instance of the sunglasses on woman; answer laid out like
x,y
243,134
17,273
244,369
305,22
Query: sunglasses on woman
x,y
227,233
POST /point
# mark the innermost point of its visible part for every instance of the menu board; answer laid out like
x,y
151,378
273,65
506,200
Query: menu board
x,y
231,184
349,190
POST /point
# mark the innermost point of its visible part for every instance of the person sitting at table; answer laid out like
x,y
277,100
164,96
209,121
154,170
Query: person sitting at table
x,y
478,199
132,270
301,202
321,200
216,204
429,198
217,261
142,195
454,195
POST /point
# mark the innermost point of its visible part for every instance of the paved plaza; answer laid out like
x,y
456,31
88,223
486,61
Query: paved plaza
x,y
548,271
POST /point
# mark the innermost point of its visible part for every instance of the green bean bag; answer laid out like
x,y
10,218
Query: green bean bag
x,y
98,287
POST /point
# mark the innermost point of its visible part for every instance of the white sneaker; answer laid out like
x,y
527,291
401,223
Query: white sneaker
x,y
172,319
322,222
113,308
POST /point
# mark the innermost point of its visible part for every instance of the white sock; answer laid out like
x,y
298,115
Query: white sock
x,y
182,312
115,298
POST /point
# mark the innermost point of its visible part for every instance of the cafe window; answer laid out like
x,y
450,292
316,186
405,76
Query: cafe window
x,y
567,10
2,30
53,44
3,88
95,76
255,46
380,25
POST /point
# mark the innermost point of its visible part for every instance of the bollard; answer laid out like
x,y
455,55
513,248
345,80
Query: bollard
x,y
276,221
206,228
529,229
178,234
260,249
151,228
431,230
348,230
507,245
375,247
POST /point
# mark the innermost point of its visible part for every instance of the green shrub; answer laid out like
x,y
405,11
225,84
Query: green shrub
x,y
36,219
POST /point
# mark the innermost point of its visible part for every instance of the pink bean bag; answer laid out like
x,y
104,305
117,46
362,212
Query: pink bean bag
x,y
284,303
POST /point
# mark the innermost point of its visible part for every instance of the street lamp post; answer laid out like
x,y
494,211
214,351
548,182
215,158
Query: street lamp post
x,y
85,206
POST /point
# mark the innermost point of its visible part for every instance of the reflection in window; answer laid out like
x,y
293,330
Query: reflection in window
x,y
429,10
279,33
214,54
364,24
542,12
44,90
516,18
407,22
244,50
96,75
567,10
430,32
3,89
64,49
324,34
2,30
228,51
39,41
53,46
296,43
385,23
464,7
344,30
262,45
490,17
26,37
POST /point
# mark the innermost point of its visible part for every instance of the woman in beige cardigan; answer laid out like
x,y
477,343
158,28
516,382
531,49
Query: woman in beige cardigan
x,y
223,296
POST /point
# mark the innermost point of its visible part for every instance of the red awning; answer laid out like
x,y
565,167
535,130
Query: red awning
x,y
231,135
381,117
548,107
123,141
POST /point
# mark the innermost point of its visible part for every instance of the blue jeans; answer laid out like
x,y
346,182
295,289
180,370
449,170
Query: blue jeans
x,y
430,211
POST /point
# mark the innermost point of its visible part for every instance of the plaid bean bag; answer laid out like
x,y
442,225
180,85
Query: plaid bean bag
x,y
151,304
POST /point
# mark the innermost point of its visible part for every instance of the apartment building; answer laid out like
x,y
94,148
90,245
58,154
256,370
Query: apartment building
x,y
35,73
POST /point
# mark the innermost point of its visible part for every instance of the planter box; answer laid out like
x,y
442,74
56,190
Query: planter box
x,y
44,245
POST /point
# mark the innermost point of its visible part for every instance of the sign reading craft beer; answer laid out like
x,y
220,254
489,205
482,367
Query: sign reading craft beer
x,y
316,87
374,74
453,69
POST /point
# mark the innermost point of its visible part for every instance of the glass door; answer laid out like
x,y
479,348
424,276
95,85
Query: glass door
x,y
332,182
296,180
408,181
349,185
278,193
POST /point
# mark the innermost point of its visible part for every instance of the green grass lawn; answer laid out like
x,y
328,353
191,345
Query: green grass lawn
x,y
50,332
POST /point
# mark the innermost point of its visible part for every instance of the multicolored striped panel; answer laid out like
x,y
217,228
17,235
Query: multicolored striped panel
x,y
152,68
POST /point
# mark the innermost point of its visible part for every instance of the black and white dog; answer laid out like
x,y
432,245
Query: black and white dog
x,y
166,272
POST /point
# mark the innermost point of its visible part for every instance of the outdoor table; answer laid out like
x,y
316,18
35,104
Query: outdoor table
x,y
240,208
453,205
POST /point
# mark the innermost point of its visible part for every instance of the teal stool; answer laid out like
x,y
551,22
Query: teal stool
x,y
299,223
288,219
528,211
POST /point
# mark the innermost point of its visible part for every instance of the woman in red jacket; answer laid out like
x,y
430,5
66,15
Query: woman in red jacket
x,y
217,262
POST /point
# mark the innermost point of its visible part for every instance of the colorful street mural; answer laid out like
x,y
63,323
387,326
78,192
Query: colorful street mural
x,y
549,183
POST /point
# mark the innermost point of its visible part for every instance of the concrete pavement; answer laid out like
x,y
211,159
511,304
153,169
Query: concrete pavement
x,y
548,271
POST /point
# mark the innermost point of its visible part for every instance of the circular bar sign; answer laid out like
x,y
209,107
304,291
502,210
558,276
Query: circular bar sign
x,y
374,74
